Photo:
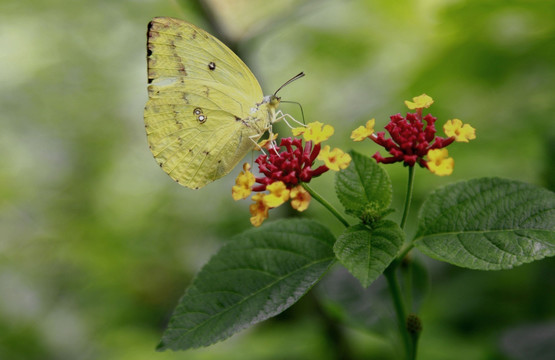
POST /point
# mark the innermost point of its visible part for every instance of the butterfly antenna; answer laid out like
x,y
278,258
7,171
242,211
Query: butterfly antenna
x,y
298,103
296,77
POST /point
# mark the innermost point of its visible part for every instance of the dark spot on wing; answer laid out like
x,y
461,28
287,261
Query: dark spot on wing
x,y
148,52
212,66
237,118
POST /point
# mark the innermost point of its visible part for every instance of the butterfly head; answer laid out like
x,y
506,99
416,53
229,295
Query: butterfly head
x,y
271,100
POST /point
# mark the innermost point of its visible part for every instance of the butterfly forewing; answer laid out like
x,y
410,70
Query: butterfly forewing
x,y
179,50
199,94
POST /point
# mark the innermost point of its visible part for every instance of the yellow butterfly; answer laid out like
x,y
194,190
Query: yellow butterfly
x,y
206,109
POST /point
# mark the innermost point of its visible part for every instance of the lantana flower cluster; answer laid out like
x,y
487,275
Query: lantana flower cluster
x,y
412,142
285,168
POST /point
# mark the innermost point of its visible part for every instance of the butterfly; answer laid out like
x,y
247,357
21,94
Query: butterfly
x,y
206,110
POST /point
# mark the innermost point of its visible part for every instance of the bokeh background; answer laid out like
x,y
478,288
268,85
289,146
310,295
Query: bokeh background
x,y
97,244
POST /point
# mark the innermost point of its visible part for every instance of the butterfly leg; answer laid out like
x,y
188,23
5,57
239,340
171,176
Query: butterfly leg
x,y
281,116
254,139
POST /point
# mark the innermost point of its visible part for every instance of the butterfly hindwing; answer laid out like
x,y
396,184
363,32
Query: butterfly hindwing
x,y
200,92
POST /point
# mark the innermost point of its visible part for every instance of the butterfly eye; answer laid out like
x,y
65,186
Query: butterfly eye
x,y
212,66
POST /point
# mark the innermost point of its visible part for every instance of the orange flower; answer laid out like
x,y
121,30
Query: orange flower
x,y
267,143
461,132
335,159
315,132
362,132
258,210
243,183
419,102
439,163
279,194
300,198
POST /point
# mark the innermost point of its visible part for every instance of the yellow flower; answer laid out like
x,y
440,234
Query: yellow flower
x,y
439,163
298,130
461,132
243,183
265,144
335,159
362,132
315,132
258,210
278,194
422,101
300,198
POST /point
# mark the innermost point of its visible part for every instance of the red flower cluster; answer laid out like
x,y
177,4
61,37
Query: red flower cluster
x,y
410,141
292,166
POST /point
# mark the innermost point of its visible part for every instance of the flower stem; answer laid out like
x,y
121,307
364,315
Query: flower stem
x,y
408,197
399,309
326,204
410,343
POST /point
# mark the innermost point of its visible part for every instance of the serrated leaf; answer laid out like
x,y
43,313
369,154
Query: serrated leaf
x,y
257,275
364,186
367,252
488,224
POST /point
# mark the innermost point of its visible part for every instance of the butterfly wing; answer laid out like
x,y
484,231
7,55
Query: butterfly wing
x,y
200,92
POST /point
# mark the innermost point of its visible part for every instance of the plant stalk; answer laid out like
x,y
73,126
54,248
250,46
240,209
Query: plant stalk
x,y
326,204
409,342
400,311
408,197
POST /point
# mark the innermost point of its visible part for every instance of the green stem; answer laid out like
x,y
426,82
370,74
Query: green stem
x,y
409,342
414,346
326,204
408,197
399,309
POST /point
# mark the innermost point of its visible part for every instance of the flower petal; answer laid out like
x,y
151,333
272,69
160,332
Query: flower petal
x,y
419,102
439,163
362,132
461,132
278,194
243,183
318,132
258,210
335,159
300,198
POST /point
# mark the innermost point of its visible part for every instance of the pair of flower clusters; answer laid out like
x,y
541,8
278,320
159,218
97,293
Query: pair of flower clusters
x,y
284,171
411,142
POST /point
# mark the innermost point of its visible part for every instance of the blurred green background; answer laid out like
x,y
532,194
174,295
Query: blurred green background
x,y
97,244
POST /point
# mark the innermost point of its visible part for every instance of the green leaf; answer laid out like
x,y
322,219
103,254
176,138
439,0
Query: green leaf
x,y
257,275
367,252
488,224
364,188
